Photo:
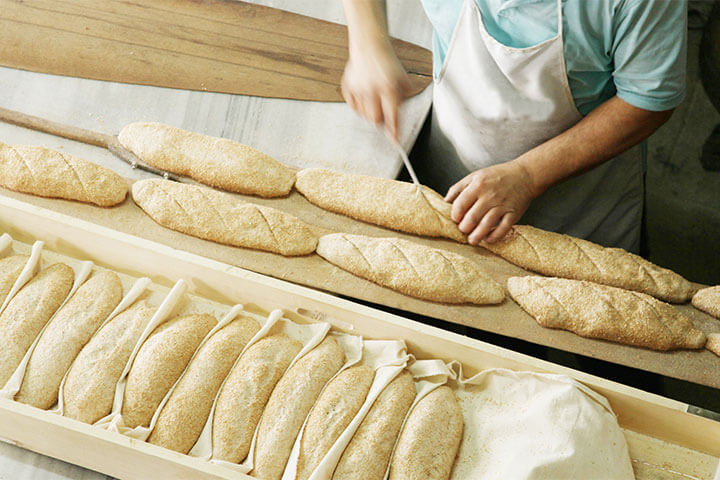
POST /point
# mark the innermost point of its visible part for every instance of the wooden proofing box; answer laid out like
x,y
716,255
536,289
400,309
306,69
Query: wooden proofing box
x,y
665,441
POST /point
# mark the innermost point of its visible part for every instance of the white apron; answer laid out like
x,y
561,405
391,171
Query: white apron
x,y
492,103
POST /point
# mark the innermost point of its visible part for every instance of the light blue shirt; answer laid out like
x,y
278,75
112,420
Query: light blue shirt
x,y
635,48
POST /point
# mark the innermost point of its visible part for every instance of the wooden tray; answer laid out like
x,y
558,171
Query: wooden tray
x,y
665,441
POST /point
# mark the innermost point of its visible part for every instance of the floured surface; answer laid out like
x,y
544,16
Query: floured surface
x,y
506,319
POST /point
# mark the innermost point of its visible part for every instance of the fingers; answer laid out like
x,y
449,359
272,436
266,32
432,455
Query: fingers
x,y
465,199
390,105
508,220
455,190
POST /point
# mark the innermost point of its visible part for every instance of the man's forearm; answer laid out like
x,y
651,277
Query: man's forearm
x,y
607,131
367,24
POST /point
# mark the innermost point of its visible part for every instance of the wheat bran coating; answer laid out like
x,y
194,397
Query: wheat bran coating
x,y
332,413
159,363
411,268
47,173
211,215
28,312
245,393
10,269
708,300
380,201
217,162
367,456
598,311
89,388
558,255
183,417
713,343
289,404
67,333
430,439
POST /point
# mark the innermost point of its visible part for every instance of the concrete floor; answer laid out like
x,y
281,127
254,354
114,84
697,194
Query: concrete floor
x,y
683,199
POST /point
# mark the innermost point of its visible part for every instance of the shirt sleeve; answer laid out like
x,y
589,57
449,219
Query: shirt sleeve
x,y
650,53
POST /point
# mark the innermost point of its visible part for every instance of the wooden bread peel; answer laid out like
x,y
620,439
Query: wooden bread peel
x,y
210,45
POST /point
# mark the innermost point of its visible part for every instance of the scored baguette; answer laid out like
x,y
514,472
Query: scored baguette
x,y
367,456
245,393
183,417
90,384
159,363
211,215
217,162
337,405
10,269
47,173
411,268
430,439
708,300
289,404
28,312
389,203
67,333
559,255
598,311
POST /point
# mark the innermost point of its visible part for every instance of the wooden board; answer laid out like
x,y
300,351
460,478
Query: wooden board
x,y
212,45
665,441
506,319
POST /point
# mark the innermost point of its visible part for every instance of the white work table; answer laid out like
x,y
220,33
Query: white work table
x,y
303,134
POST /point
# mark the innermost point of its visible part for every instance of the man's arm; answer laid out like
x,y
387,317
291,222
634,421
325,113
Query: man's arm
x,y
374,82
488,202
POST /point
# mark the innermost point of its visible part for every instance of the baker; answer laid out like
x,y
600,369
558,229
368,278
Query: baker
x,y
540,107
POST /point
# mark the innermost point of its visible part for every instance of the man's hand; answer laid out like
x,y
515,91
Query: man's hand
x,y
374,84
487,202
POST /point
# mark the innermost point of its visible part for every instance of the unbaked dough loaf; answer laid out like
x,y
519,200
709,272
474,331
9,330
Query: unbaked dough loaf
x,y
332,413
217,162
367,456
289,404
245,393
47,173
558,255
598,311
89,387
388,203
158,365
708,300
28,312
183,417
223,218
413,269
10,269
67,333
430,439
713,343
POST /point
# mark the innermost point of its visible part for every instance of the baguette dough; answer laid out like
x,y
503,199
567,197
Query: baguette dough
x,y
388,203
332,413
411,268
47,173
28,312
558,255
183,417
246,392
430,439
713,343
90,384
217,162
367,456
10,269
220,217
598,311
708,300
289,404
66,334
159,363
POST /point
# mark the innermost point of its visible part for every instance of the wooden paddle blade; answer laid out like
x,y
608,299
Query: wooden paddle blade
x,y
210,45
